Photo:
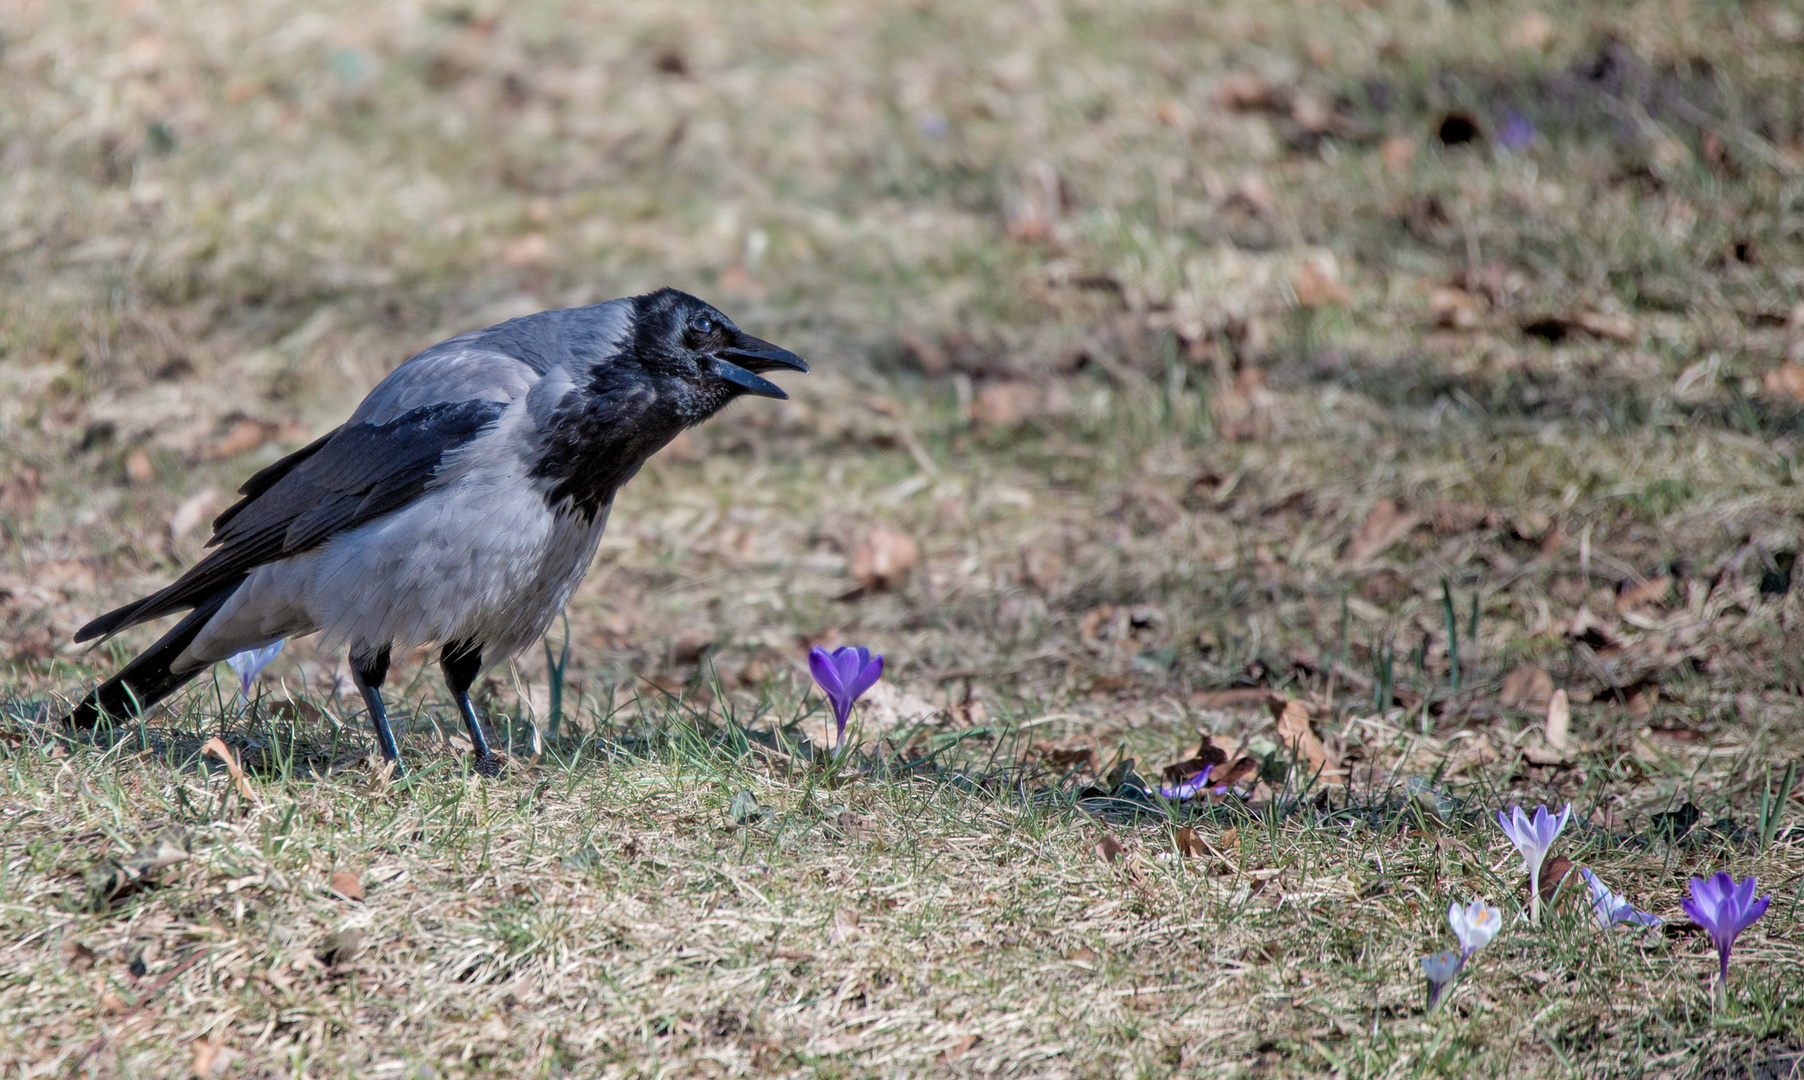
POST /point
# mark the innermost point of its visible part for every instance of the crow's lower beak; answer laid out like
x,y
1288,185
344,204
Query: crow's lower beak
x,y
755,385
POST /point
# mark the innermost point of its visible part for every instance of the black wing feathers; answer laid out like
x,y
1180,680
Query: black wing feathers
x,y
354,475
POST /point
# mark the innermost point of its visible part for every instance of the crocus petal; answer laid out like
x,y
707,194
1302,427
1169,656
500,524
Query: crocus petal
x,y
1188,788
250,663
821,666
868,674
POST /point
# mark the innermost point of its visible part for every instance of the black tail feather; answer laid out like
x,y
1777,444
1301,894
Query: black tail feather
x,y
147,679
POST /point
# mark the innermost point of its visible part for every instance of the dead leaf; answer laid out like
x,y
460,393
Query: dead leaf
x,y
1598,324
1108,849
211,1057
77,955
192,511
1191,842
1006,404
1529,686
883,558
346,884
1230,839
1080,757
1243,769
1244,91
1559,720
1207,756
1785,383
1397,152
1552,874
19,491
242,437
1242,407
1386,524
1295,732
964,1046
1642,701
1653,591
138,468
1533,31
216,747
845,927
523,251
1317,284
1244,697
1455,309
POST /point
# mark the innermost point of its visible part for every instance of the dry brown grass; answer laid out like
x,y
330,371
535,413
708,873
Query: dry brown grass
x,y
1185,353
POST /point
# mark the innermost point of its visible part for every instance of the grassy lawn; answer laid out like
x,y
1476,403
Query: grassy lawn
x,y
1337,382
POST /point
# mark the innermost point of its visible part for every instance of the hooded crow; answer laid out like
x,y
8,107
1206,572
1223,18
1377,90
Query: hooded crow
x,y
459,506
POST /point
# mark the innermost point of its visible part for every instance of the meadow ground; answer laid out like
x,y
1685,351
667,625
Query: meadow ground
x,y
1341,382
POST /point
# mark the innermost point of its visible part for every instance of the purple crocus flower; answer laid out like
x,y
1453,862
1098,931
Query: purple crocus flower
x,y
1517,132
1441,968
1533,837
1188,788
844,675
1724,907
250,663
1612,909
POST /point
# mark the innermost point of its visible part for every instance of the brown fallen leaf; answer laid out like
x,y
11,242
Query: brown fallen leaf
x,y
1207,756
216,747
962,1048
1386,524
1559,720
1188,841
1244,91
1244,697
242,437
1295,732
883,558
138,468
1397,152
1455,309
1528,686
211,1057
1108,849
77,955
1230,839
523,251
1784,383
1650,592
1006,404
845,927
346,884
1317,284
192,511
1553,872
1598,324
1243,769
1533,31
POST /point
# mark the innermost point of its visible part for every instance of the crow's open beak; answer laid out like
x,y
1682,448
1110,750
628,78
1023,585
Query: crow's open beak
x,y
739,362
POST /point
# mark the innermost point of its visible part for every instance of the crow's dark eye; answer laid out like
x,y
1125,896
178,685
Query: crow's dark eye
x,y
701,325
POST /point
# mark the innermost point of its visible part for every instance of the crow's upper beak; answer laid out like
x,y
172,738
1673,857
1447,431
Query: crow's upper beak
x,y
738,362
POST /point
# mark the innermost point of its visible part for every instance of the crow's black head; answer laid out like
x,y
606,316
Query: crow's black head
x,y
679,362
696,354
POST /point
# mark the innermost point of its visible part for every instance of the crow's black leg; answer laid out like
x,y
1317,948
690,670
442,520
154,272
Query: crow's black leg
x,y
460,661
368,669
